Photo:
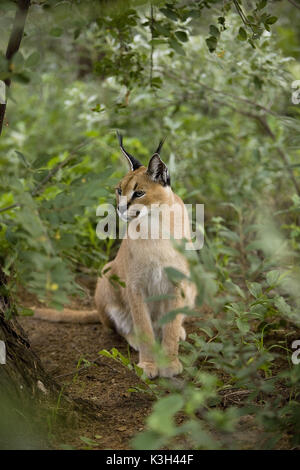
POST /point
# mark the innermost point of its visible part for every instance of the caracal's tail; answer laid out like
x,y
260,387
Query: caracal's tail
x,y
66,315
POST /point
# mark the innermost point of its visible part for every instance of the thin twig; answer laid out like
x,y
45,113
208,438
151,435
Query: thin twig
x,y
12,206
242,15
292,2
237,392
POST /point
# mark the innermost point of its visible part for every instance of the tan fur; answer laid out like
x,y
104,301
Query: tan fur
x,y
137,264
140,264
66,315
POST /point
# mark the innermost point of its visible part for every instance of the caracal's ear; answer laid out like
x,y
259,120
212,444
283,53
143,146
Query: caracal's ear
x,y
157,170
133,162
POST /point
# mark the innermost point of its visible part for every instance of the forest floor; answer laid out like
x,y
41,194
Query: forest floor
x,y
61,348
114,415
119,414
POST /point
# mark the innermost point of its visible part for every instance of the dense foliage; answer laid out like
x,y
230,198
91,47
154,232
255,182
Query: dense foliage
x,y
218,83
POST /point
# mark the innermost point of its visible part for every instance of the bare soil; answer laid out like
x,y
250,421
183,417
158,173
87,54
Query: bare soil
x,y
119,414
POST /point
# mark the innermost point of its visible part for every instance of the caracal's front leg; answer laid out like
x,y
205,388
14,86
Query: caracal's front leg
x,y
144,333
172,333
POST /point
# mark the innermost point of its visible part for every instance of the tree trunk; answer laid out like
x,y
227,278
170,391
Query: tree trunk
x,y
14,44
24,385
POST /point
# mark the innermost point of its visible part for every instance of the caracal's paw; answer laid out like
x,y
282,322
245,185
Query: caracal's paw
x,y
150,369
174,368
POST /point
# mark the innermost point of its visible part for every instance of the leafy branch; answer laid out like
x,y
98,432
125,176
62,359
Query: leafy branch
x,y
265,126
36,191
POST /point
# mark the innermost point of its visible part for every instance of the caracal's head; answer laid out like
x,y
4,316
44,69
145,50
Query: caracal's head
x,y
142,188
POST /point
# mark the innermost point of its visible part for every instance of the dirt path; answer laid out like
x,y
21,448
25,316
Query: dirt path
x,y
120,413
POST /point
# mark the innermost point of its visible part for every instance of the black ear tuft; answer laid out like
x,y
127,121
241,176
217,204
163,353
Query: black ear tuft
x,y
161,143
133,162
158,171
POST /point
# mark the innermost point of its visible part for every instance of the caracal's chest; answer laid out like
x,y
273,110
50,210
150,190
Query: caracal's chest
x,y
148,261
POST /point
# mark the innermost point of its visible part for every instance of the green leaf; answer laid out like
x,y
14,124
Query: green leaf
x,y
211,43
242,325
149,440
282,306
252,43
271,20
169,13
33,59
159,298
174,275
224,420
260,5
156,82
21,78
230,235
236,288
98,108
22,158
255,289
214,31
17,62
242,36
174,44
56,32
173,313
114,279
88,441
273,277
25,312
161,420
182,36
105,353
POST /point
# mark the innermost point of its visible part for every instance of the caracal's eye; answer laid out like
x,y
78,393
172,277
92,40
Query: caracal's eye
x,y
138,194
119,191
